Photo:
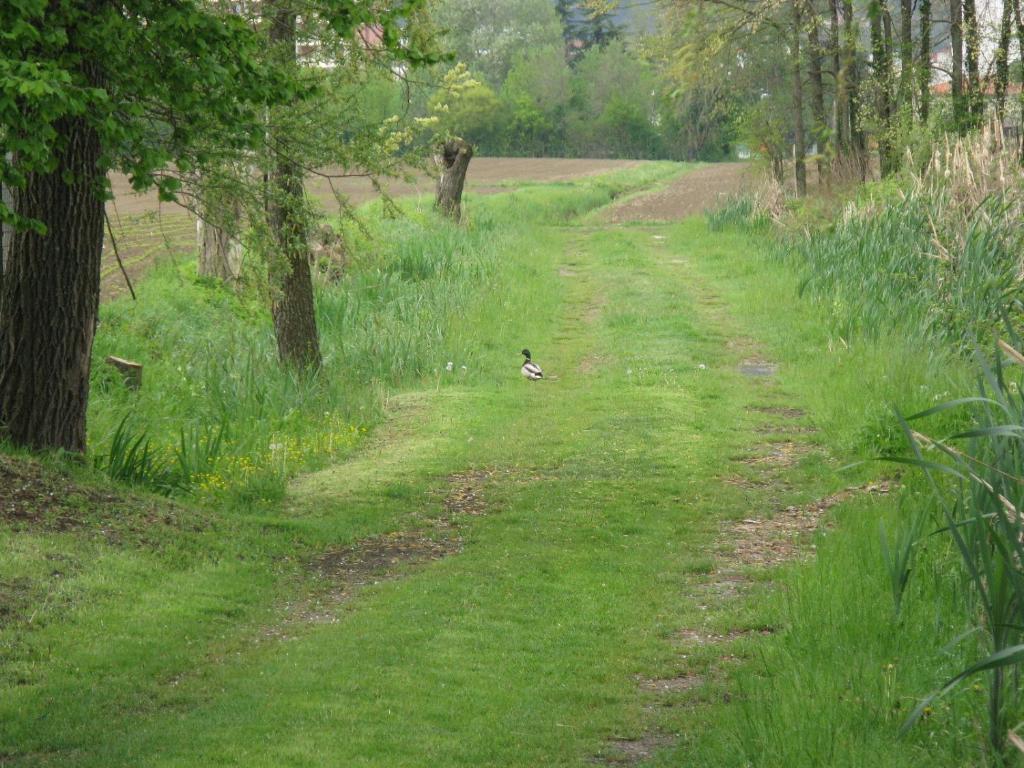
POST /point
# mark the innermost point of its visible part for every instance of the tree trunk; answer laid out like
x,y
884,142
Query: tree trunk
x,y
1003,60
50,298
220,252
839,107
1020,42
814,60
924,66
857,139
905,94
6,231
799,150
452,162
880,50
293,309
956,82
972,46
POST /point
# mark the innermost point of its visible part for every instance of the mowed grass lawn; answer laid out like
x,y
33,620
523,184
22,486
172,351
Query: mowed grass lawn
x,y
569,621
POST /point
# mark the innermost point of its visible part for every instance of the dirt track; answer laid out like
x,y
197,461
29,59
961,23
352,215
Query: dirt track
x,y
689,195
147,229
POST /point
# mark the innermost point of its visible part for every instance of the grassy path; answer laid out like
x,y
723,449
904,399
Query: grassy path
x,y
520,574
542,641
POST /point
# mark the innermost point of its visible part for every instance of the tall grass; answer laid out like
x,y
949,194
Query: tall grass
x,y
938,254
977,480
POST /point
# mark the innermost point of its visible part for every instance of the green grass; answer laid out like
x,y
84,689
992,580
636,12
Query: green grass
x,y
173,637
218,419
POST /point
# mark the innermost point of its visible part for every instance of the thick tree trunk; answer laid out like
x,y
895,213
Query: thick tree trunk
x,y
293,309
956,82
799,150
814,62
924,65
1003,59
50,298
298,341
220,252
452,162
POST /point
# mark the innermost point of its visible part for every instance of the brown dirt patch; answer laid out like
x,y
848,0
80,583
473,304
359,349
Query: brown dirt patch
x,y
777,410
676,684
389,556
782,454
789,429
691,194
697,637
757,367
36,497
465,492
749,483
621,751
382,557
764,543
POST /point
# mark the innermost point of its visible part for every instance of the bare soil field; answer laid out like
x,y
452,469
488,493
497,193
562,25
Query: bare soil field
x,y
689,195
146,229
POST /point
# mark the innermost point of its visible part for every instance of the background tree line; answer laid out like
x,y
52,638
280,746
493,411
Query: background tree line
x,y
852,82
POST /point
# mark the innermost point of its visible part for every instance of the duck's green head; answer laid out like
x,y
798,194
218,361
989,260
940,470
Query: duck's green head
x,y
527,353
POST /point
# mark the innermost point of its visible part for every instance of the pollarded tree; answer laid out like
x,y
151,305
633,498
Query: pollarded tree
x,y
87,86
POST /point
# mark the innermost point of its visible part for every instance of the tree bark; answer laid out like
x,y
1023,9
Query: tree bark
x,y
839,107
880,55
293,308
799,150
924,66
50,298
220,252
1019,22
907,61
1003,60
6,232
972,46
956,82
814,62
857,139
452,162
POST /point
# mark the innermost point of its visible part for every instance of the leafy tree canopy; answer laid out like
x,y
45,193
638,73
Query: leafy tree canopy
x,y
156,80
488,37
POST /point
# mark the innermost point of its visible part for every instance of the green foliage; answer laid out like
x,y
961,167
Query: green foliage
x,y
200,93
489,37
131,460
476,115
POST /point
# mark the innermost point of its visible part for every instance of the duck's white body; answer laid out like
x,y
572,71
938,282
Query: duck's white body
x,y
532,371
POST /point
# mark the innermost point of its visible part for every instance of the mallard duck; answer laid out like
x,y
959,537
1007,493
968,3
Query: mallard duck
x,y
530,369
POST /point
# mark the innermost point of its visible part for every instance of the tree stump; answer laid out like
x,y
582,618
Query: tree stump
x,y
131,373
452,161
